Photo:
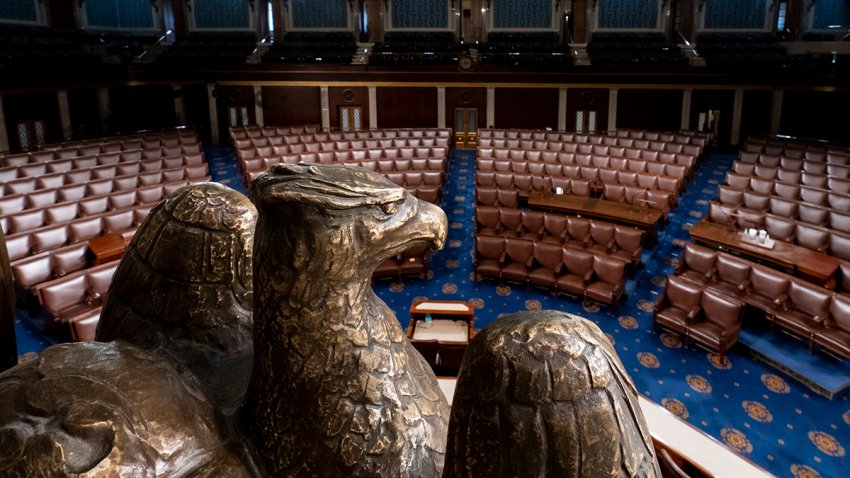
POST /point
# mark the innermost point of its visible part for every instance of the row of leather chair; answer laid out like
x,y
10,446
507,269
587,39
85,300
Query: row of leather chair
x,y
699,138
487,174
78,149
620,162
795,149
63,212
682,138
812,173
76,191
169,136
705,316
255,131
789,190
635,150
31,271
50,237
816,238
63,177
809,311
251,149
10,173
319,136
593,276
412,262
818,159
74,296
358,155
623,242
799,209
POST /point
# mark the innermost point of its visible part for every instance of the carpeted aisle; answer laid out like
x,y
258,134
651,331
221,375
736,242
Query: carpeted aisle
x,y
755,410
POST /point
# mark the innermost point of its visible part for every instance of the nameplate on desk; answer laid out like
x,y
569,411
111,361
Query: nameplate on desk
x,y
766,243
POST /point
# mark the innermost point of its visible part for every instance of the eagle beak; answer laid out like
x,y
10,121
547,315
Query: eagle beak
x,y
433,224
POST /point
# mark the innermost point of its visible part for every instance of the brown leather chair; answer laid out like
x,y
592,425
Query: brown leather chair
x,y
678,306
490,256
835,334
511,220
602,234
697,264
804,311
428,350
487,220
519,259
719,323
555,228
414,262
628,244
550,262
732,275
579,232
767,290
579,271
843,286
450,354
532,224
609,280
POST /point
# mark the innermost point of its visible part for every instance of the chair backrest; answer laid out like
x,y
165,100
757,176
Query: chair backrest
x,y
698,258
682,294
814,301
491,247
840,312
609,270
428,350
578,228
768,283
730,270
578,262
720,310
451,353
549,255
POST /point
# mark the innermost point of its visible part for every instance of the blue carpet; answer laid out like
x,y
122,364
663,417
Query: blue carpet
x,y
754,409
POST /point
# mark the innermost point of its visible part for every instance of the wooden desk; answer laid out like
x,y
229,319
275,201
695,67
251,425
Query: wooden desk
x,y
618,212
441,310
805,263
109,247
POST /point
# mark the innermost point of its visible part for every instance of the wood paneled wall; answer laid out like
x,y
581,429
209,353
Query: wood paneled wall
x,y
755,114
595,99
401,107
85,113
815,114
291,105
32,107
359,96
133,108
466,98
723,100
655,110
526,108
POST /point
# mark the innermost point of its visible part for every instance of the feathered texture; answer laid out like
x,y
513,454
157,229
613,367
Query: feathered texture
x,y
544,394
337,390
184,287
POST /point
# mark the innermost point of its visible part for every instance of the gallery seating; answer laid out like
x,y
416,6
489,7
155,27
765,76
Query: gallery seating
x,y
578,272
835,332
705,316
77,293
790,303
623,242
